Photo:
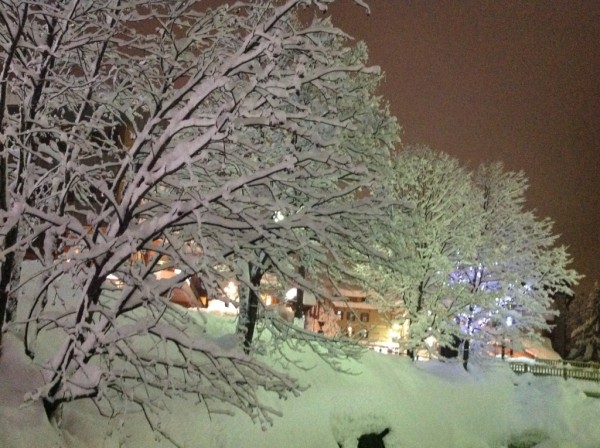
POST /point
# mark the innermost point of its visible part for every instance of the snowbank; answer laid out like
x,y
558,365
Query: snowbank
x,y
426,405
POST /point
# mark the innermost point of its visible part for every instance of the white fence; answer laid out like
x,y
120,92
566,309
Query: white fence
x,y
566,369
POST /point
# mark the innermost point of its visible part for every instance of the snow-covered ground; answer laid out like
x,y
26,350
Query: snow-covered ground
x,y
425,404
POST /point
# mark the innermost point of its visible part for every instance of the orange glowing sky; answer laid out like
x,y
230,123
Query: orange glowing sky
x,y
501,80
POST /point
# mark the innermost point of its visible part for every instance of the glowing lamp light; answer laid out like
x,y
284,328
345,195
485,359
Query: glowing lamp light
x,y
115,280
291,294
394,332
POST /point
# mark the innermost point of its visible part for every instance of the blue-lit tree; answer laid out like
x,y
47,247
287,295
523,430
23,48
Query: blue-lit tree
x,y
466,261
517,266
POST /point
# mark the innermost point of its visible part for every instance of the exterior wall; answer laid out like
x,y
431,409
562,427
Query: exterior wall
x,y
364,324
353,318
361,321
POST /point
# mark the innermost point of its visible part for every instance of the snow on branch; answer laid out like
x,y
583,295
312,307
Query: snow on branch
x,y
148,145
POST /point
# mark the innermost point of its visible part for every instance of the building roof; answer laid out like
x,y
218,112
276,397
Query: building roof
x,y
354,305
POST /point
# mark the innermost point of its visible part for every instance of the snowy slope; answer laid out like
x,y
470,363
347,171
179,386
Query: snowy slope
x,y
428,404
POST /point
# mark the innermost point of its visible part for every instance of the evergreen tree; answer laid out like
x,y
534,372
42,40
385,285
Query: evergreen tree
x,y
586,336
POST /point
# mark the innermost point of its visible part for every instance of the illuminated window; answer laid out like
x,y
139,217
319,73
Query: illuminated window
x,y
339,314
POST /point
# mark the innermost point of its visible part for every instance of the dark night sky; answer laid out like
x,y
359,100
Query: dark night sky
x,y
515,81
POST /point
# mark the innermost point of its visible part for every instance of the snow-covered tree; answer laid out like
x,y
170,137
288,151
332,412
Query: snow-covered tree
x,y
324,207
432,228
149,137
586,335
517,266
467,261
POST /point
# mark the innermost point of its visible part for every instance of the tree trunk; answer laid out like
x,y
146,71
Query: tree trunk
x,y
466,347
6,274
299,311
11,305
252,316
51,408
411,352
467,343
249,306
61,364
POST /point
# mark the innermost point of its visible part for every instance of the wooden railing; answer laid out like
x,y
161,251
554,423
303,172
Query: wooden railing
x,y
566,369
562,362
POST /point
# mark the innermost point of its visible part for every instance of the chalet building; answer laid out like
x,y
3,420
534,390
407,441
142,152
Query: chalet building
x,y
351,316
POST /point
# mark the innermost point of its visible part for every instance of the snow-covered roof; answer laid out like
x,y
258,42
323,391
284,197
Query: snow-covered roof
x,y
354,305
539,349
348,292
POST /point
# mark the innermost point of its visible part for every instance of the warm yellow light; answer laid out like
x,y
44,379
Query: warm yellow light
x,y
393,334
